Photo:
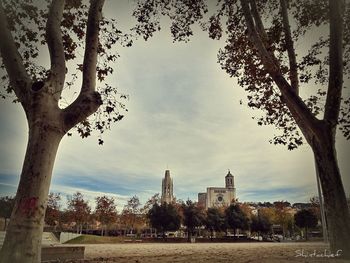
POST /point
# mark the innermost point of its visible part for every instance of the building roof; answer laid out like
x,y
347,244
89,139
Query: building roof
x,y
229,174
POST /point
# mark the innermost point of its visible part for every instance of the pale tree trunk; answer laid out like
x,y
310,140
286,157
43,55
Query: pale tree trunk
x,y
24,232
47,125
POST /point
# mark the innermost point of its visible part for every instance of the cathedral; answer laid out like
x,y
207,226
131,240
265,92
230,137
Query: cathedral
x,y
219,196
167,188
214,197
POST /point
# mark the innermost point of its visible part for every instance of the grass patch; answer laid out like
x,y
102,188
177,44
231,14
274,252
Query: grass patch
x,y
91,239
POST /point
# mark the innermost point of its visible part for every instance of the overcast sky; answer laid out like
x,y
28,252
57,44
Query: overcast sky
x,y
184,115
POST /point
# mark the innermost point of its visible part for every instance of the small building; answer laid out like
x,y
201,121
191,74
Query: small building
x,y
167,188
219,196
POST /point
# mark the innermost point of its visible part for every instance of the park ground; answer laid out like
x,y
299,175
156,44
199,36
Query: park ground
x,y
209,252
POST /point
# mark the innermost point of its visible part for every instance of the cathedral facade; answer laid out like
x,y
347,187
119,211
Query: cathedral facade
x,y
219,196
167,189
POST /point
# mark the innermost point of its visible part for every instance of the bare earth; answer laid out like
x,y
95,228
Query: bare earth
x,y
209,252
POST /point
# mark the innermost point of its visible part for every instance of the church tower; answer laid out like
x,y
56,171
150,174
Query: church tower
x,y
229,183
167,188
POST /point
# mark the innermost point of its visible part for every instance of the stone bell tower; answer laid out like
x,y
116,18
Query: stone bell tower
x,y
229,183
167,188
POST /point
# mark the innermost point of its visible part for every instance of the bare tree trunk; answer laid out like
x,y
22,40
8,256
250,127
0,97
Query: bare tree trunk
x,y
24,233
336,208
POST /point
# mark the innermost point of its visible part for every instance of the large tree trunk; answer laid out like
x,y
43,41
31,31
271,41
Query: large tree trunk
x,y
24,233
336,207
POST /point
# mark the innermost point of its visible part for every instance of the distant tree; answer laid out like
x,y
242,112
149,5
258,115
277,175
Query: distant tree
x,y
235,218
260,224
164,218
305,219
6,207
131,213
155,199
246,209
79,210
214,220
283,217
315,206
193,216
52,214
105,211
279,204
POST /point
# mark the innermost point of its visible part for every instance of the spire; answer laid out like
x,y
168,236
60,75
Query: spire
x,y
229,174
167,188
167,173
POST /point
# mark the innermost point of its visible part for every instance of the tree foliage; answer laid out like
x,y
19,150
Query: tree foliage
x,y
305,219
193,216
164,218
214,220
260,224
131,212
106,210
235,218
79,209
52,213
6,206
27,20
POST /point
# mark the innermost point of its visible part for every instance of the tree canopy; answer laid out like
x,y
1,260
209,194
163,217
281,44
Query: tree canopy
x,y
164,217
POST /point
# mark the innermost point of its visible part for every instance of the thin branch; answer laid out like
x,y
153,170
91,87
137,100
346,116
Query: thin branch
x,y
56,49
256,32
18,76
91,46
258,22
293,67
301,113
335,62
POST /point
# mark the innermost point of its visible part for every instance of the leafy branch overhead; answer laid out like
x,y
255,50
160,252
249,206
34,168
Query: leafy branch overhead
x,y
287,29
28,25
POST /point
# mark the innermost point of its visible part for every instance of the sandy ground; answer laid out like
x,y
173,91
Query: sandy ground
x,y
208,252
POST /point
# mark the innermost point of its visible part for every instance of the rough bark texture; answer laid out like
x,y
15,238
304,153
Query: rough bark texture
x,y
336,207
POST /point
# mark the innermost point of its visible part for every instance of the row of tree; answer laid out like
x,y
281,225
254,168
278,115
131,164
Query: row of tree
x,y
169,217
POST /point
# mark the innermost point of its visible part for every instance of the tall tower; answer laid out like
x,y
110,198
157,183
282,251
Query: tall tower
x,y
229,183
167,188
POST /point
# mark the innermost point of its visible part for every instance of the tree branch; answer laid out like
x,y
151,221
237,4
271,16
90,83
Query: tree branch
x,y
91,46
300,112
335,83
80,109
293,67
260,35
258,22
56,49
88,100
18,76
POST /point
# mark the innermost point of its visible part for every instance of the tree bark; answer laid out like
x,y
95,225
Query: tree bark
x,y
22,243
336,207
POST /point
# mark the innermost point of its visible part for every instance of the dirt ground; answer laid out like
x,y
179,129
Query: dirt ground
x,y
209,252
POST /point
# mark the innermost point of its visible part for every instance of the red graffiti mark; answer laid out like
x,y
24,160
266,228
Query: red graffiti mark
x,y
28,205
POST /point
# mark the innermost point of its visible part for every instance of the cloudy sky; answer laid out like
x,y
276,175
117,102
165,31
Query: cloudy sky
x,y
184,115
